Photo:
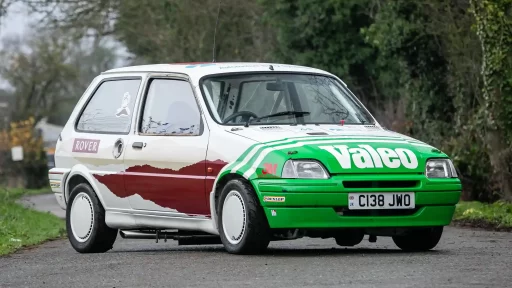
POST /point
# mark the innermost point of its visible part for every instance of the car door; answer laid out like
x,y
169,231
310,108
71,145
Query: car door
x,y
165,166
97,141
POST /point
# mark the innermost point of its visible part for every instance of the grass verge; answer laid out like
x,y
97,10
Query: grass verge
x,y
20,226
495,216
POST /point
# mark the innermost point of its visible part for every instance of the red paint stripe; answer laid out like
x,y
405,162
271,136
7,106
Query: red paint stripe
x,y
166,175
187,191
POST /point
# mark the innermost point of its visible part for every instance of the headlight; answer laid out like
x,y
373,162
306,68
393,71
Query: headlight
x,y
440,168
304,169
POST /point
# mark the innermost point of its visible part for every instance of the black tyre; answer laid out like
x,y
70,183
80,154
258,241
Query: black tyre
x,y
243,226
85,222
350,238
419,240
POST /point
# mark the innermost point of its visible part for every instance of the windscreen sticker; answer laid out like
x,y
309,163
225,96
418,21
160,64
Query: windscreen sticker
x,y
200,65
124,110
86,145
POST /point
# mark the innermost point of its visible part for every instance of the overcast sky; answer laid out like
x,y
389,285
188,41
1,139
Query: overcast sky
x,y
16,22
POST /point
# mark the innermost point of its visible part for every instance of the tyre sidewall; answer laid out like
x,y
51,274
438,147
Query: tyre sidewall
x,y
250,200
97,208
420,240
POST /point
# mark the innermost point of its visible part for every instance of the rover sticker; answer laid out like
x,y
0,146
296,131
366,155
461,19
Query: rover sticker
x,y
86,145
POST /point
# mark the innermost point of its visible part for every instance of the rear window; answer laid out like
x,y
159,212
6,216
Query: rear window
x,y
110,107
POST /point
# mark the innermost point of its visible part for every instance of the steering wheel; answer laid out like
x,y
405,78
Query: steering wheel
x,y
247,114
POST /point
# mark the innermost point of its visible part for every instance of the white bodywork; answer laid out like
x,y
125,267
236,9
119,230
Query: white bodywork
x,y
94,155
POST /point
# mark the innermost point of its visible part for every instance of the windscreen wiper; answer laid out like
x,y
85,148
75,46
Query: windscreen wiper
x,y
284,113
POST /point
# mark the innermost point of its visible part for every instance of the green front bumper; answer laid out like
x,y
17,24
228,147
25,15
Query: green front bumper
x,y
324,204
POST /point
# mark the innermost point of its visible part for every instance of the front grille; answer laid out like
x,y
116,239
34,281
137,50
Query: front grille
x,y
344,211
380,184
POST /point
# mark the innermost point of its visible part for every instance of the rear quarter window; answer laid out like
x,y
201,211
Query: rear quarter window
x,y
110,108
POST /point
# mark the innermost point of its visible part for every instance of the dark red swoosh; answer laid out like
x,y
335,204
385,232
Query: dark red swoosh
x,y
186,189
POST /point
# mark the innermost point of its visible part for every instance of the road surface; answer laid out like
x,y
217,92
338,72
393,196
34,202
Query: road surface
x,y
464,258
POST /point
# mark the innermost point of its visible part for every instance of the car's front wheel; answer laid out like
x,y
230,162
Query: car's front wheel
x,y
243,226
85,222
350,238
419,240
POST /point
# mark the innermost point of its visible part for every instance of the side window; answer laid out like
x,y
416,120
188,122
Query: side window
x,y
111,107
170,109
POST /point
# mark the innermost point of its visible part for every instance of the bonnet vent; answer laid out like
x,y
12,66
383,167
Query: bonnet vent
x,y
371,127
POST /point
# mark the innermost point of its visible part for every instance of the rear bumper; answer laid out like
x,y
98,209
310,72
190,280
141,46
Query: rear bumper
x,y
60,200
324,204
57,178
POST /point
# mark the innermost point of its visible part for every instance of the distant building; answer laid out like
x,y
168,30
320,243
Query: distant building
x,y
50,134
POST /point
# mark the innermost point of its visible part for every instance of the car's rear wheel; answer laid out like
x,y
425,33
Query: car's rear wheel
x,y
419,240
243,226
85,222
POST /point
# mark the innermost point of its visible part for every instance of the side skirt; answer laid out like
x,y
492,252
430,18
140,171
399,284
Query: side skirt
x,y
135,220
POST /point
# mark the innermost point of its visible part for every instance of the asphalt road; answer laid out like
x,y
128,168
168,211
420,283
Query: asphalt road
x,y
464,258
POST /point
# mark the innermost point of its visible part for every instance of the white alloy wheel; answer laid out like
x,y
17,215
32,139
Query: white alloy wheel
x,y
234,217
82,217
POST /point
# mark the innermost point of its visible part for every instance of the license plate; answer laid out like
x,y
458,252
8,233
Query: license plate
x,y
360,201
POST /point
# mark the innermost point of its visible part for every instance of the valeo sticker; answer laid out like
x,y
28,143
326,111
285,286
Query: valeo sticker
x,y
368,157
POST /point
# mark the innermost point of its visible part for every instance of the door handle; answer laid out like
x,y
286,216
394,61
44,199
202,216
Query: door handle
x,y
138,145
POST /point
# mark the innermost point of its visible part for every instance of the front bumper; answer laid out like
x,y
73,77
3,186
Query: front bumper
x,y
324,204
323,217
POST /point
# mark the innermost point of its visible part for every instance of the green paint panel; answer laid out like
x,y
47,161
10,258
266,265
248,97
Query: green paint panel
x,y
336,184
356,163
341,199
286,217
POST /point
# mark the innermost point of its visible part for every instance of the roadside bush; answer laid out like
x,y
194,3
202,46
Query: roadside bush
x,y
32,171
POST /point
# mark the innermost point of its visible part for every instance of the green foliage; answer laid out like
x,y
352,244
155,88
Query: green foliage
x,y
439,70
183,31
401,36
21,227
496,215
494,28
325,35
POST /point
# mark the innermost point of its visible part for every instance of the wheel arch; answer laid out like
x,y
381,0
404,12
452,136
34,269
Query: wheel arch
x,y
78,175
217,190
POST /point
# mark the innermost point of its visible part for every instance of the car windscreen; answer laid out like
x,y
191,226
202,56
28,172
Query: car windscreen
x,y
281,98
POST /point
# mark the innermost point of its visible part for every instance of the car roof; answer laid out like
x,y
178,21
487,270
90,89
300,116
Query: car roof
x,y
200,69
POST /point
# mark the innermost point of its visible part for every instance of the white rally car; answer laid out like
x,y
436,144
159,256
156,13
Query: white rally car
x,y
242,154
